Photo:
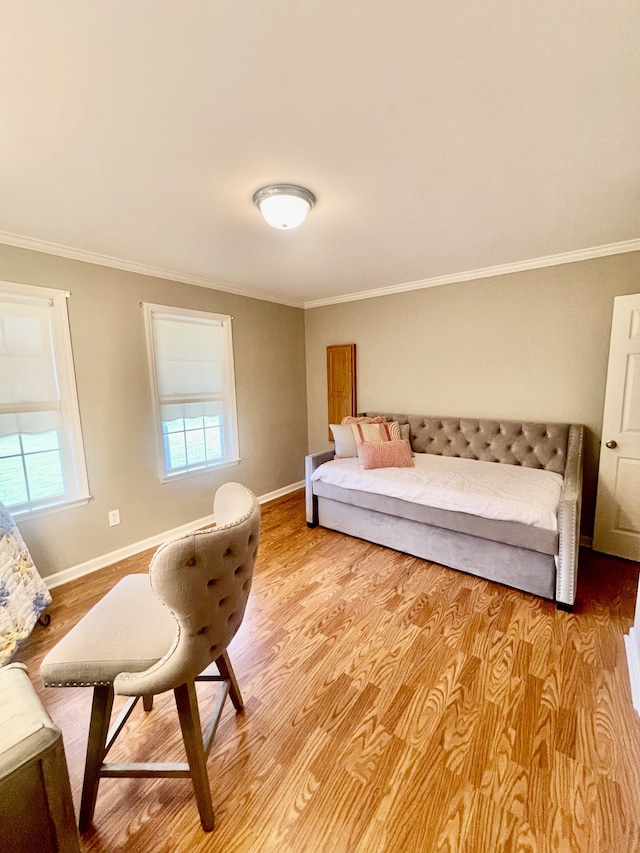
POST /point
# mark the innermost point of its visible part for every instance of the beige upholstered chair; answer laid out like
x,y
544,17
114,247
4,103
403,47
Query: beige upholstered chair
x,y
36,807
144,638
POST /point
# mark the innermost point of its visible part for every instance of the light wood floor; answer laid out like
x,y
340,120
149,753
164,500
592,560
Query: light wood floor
x,y
391,705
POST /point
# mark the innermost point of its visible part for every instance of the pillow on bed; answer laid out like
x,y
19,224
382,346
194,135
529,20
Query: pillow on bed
x,y
405,432
379,419
385,454
381,432
345,443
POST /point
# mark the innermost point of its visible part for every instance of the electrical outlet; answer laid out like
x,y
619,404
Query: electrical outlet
x,y
114,517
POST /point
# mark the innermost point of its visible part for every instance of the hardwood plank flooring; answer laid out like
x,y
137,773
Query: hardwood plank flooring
x,y
391,705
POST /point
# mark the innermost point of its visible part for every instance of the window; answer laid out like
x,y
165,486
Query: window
x,y
41,454
193,387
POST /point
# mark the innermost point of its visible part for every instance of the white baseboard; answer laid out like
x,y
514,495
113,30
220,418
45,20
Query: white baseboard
x,y
73,572
280,493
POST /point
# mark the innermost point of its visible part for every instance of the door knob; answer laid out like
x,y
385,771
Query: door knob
x,y
611,444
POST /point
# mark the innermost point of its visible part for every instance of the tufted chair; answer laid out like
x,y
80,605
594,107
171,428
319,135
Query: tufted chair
x,y
161,631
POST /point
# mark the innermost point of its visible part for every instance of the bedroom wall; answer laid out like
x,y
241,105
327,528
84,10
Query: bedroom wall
x,y
110,357
530,345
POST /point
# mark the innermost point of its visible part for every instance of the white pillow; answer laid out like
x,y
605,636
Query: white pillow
x,y
405,432
345,441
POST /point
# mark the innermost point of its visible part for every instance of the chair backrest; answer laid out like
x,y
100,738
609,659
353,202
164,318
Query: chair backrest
x,y
204,578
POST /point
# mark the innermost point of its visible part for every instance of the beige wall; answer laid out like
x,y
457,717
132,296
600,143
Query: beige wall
x,y
531,345
115,405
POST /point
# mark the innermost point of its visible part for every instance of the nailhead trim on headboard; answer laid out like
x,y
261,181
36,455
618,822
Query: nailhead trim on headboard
x,y
530,444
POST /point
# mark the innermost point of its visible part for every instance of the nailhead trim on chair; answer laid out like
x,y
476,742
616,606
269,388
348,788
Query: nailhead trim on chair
x,y
76,683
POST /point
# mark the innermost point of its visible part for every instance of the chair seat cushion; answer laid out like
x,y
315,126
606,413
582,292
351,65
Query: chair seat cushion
x,y
127,631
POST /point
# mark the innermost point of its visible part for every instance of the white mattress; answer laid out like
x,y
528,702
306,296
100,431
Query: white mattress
x,y
488,489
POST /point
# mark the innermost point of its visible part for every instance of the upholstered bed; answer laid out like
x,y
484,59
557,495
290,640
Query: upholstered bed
x,y
467,527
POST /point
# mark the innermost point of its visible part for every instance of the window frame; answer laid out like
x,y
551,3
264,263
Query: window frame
x,y
230,409
72,452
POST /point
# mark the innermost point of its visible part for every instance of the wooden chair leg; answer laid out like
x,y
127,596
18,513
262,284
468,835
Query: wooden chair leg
x,y
98,731
147,703
226,671
187,704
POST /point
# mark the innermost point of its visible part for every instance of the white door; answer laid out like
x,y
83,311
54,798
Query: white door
x,y
617,525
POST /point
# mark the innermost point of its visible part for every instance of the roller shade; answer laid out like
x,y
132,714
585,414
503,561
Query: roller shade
x,y
189,356
29,393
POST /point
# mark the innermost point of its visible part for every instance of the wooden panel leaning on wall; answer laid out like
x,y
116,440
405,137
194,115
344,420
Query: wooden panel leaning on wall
x,y
341,383
391,705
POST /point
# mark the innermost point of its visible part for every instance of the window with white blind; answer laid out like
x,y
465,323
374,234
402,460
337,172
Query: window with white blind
x,y
42,463
193,388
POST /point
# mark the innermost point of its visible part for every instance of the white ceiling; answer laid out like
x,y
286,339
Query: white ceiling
x,y
438,137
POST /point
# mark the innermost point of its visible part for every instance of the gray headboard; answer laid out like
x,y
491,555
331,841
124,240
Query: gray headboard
x,y
533,445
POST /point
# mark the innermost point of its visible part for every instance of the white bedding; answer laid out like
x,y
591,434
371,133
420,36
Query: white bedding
x,y
488,489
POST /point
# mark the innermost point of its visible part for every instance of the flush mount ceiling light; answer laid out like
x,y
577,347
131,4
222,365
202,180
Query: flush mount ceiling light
x,y
284,205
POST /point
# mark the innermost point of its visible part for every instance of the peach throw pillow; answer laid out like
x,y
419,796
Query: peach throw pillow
x,y
385,454
375,432
379,419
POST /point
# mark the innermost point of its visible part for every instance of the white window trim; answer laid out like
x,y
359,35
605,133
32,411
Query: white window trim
x,y
72,447
230,406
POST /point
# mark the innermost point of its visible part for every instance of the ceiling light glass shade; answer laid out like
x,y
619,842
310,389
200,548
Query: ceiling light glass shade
x,y
284,205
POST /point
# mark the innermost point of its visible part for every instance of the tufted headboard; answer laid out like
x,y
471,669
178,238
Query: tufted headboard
x,y
533,445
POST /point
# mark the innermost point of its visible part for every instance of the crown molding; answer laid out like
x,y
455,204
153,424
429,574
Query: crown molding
x,y
486,272
21,242
34,245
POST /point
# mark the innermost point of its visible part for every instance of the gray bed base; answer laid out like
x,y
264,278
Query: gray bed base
x,y
543,570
